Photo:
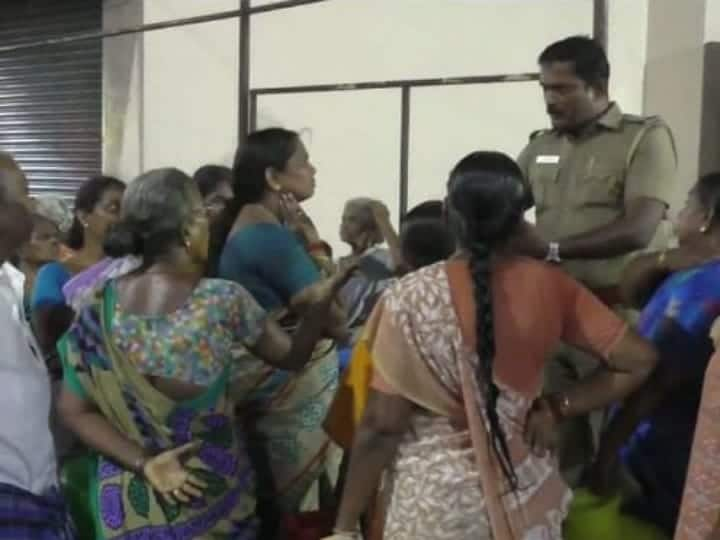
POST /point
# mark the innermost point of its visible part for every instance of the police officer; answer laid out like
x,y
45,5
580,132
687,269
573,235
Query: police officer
x,y
602,182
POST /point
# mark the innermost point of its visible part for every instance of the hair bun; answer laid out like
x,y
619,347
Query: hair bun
x,y
122,240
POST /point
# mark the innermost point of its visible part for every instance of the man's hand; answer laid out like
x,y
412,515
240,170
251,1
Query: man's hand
x,y
527,241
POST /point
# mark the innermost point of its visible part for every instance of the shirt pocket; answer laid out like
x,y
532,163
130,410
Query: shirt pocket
x,y
543,180
602,188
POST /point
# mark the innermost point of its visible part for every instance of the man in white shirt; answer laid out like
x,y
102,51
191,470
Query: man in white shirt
x,y
30,503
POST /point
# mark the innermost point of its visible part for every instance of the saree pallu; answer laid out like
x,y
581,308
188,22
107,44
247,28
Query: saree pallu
x,y
84,287
26,516
124,505
348,405
364,288
285,413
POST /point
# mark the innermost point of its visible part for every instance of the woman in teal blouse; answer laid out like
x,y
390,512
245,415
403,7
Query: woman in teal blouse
x,y
275,253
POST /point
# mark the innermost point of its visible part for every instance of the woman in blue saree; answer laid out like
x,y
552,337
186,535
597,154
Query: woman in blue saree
x,y
679,291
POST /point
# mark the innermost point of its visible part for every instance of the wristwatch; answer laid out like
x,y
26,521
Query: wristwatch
x,y
553,254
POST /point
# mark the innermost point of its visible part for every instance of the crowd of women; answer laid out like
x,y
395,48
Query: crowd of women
x,y
216,372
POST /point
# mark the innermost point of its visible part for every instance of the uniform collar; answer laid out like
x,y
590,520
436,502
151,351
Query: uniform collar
x,y
612,119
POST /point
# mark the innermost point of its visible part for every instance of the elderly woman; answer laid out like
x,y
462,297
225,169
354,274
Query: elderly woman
x,y
147,368
365,227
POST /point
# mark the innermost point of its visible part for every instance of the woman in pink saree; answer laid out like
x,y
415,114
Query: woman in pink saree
x,y
700,510
456,419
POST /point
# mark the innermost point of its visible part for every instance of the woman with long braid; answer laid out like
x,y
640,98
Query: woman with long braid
x,y
456,418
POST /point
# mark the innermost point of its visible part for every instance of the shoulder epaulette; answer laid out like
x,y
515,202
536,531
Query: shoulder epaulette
x,y
537,133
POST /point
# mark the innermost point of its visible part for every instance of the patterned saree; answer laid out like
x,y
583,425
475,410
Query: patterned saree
x,y
124,505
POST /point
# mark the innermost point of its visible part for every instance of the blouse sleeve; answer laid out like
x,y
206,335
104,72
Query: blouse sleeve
x,y
247,318
48,290
587,323
280,260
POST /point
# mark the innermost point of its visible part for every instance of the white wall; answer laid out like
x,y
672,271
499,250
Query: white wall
x,y
351,40
353,139
627,52
674,79
345,41
122,91
449,122
190,86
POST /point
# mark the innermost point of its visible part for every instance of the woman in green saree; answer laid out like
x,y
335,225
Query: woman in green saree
x,y
146,371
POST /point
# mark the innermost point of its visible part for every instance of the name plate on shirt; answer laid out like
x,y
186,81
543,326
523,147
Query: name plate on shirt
x,y
548,160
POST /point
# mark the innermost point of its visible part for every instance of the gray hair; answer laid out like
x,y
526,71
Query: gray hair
x,y
364,207
55,209
156,207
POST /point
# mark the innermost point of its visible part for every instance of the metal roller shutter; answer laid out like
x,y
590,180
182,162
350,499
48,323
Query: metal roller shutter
x,y
51,96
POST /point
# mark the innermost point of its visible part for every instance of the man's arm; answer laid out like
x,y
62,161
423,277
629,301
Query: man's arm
x,y
631,232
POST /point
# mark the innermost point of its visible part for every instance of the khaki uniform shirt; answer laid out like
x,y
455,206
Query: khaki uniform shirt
x,y
580,183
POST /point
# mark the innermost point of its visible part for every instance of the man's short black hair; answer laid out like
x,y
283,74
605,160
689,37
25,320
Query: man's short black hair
x,y
587,56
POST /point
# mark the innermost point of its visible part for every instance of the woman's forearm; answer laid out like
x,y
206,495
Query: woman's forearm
x,y
93,429
640,279
337,327
601,389
311,328
371,454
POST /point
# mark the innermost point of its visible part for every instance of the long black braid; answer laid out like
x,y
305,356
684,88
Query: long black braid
x,y
486,199
485,331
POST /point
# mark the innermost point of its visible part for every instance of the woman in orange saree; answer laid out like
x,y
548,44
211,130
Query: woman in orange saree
x,y
456,418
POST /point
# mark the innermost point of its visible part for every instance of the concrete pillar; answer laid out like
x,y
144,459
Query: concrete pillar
x,y
627,51
123,91
674,78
